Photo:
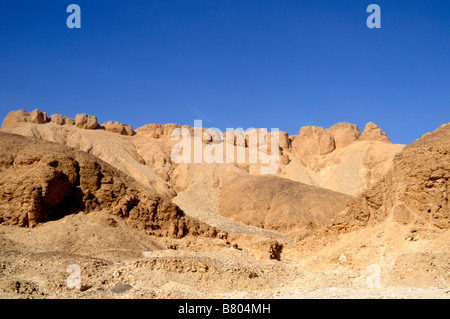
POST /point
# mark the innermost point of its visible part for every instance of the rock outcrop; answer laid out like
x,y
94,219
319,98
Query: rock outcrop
x,y
22,116
335,158
42,181
118,128
285,142
87,122
373,133
157,130
38,117
61,120
415,190
344,134
314,140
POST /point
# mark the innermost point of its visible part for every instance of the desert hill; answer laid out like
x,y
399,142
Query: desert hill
x,y
275,203
400,223
111,199
42,181
314,167
339,158
414,191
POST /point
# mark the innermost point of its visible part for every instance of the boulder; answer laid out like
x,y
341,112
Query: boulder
x,y
284,140
344,133
22,116
87,122
118,128
157,130
314,140
14,117
373,133
61,120
38,117
284,159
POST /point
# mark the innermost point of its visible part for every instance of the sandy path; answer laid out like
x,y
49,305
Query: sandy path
x,y
201,203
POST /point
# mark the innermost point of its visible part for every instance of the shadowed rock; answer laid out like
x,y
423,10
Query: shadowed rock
x,y
42,181
61,120
118,128
414,190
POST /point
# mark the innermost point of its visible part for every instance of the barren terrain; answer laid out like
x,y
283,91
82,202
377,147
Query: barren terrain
x,y
347,214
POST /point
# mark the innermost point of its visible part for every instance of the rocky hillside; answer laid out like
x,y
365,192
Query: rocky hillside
x,y
342,207
414,191
339,158
318,168
42,181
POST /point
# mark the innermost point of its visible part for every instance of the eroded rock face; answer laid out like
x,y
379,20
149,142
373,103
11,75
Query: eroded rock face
x,y
118,128
61,120
87,122
344,133
42,181
158,130
314,140
285,142
415,190
308,158
373,133
22,116
38,117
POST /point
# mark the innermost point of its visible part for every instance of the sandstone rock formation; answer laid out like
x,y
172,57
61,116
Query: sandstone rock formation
x,y
338,158
94,196
284,140
373,133
344,134
415,190
314,140
118,128
38,117
87,122
42,181
349,168
109,147
22,116
157,130
61,120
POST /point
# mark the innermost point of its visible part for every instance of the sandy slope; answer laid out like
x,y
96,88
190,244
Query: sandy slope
x,y
34,263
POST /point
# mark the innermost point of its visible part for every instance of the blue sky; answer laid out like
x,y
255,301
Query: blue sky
x,y
281,64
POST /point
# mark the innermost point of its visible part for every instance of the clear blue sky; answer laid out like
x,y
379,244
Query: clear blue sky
x,y
230,63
